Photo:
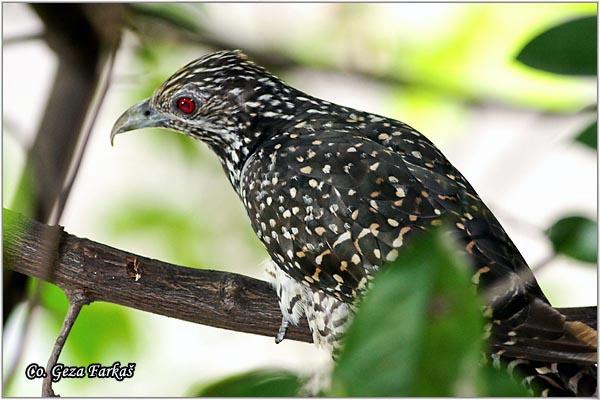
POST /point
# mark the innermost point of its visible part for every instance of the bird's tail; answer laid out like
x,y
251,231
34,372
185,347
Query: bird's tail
x,y
553,352
546,379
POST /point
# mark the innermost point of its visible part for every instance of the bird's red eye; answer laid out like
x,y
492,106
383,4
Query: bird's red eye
x,y
186,105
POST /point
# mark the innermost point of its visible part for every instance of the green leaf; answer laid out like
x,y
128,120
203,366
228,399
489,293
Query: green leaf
x,y
101,330
494,383
259,383
576,237
568,48
589,136
418,331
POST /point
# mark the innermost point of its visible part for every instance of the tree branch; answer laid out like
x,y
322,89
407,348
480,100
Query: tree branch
x,y
220,299
77,299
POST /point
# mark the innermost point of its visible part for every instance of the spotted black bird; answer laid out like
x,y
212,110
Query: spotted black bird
x,y
334,193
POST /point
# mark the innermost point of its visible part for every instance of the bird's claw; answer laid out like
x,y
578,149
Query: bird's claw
x,y
282,331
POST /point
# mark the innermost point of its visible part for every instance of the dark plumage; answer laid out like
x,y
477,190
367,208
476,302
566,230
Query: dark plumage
x,y
334,193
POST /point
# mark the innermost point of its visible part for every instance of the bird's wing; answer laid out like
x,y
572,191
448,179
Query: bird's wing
x,y
334,208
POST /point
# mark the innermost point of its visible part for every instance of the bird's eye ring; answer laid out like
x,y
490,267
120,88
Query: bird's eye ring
x,y
186,105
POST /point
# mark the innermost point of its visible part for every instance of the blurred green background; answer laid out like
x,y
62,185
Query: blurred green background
x,y
450,70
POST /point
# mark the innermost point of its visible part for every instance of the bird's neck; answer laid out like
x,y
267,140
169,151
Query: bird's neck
x,y
244,143
264,117
232,159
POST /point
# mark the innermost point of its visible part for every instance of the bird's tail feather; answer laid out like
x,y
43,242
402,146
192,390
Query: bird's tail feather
x,y
550,379
552,351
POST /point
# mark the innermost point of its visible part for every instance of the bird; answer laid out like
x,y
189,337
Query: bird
x,y
334,194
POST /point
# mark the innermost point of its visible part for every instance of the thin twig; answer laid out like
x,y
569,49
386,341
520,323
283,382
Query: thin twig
x,y
77,299
545,261
95,109
28,37
525,227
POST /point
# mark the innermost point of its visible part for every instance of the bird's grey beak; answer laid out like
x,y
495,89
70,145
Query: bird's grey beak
x,y
142,115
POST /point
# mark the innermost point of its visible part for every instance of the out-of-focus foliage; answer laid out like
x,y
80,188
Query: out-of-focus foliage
x,y
260,383
447,59
568,48
101,330
589,136
576,237
185,237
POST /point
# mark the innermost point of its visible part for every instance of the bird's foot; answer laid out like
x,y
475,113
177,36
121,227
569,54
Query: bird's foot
x,y
282,330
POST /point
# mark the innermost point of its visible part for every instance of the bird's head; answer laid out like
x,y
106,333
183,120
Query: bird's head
x,y
223,99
